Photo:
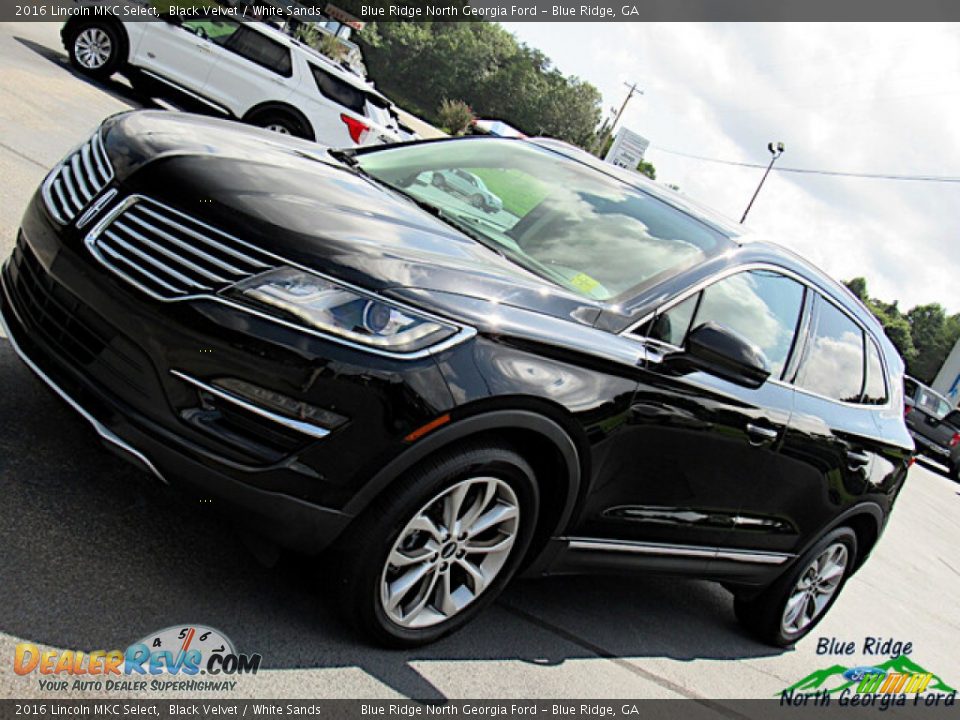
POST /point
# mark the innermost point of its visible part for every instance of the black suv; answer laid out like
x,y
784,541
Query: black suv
x,y
598,377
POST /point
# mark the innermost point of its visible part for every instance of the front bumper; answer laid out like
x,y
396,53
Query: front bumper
x,y
113,354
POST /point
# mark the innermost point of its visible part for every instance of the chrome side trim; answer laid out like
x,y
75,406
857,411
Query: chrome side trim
x,y
668,550
102,430
300,426
753,556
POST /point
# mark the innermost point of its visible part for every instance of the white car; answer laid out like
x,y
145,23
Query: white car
x,y
469,186
247,70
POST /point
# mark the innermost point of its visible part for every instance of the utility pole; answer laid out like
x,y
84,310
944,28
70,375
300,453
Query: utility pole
x,y
776,150
634,90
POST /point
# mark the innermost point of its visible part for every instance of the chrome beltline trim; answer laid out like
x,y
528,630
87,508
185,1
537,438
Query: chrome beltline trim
x,y
102,430
666,549
298,425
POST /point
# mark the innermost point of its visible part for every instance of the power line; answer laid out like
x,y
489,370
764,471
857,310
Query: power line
x,y
810,171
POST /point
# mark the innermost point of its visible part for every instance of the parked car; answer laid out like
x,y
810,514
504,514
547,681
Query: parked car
x,y
248,71
615,382
468,186
934,424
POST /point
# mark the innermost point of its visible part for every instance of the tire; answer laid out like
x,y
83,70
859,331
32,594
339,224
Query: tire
x,y
438,182
764,614
422,614
281,122
96,49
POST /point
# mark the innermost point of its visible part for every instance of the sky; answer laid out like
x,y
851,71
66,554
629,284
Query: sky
x,y
864,97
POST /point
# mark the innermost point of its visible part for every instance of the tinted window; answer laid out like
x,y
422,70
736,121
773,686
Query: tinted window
x,y
875,392
342,93
833,362
258,48
218,31
761,306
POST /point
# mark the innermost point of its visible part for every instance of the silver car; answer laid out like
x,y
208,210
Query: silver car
x,y
468,185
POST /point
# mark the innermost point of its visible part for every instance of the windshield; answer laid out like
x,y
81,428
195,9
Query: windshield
x,y
563,220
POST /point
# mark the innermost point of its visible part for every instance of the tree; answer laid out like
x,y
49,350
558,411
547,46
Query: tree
x,y
924,336
455,116
928,328
420,64
646,168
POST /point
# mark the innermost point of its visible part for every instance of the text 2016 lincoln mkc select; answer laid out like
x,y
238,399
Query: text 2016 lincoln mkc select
x,y
596,376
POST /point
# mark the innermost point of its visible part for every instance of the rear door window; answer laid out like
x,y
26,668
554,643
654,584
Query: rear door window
x,y
833,361
258,48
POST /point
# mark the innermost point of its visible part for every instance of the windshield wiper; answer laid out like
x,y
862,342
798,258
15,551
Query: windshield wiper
x,y
450,219
347,157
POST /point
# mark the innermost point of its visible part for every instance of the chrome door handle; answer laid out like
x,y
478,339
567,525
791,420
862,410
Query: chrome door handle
x,y
760,434
857,459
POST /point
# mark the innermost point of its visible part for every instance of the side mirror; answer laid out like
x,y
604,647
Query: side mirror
x,y
714,349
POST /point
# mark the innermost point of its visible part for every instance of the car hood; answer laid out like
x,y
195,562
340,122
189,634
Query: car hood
x,y
293,199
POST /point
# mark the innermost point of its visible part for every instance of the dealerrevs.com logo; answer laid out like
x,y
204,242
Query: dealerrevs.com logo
x,y
171,659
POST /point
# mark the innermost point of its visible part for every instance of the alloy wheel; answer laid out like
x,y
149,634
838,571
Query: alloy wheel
x,y
449,552
93,48
814,589
277,128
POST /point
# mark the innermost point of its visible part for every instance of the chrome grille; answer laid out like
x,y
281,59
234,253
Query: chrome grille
x,y
70,188
170,255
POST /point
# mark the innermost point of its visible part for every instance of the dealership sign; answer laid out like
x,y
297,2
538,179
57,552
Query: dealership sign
x,y
627,149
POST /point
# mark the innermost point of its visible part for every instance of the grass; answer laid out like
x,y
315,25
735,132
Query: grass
x,y
520,192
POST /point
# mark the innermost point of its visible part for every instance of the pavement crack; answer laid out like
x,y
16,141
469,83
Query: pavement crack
x,y
22,156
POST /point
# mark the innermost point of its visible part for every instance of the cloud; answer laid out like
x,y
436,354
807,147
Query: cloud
x,y
860,97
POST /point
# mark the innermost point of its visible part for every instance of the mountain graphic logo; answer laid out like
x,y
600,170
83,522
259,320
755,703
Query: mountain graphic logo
x,y
836,678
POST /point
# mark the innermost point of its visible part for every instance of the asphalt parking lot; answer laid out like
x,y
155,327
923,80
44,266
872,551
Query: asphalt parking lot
x,y
95,554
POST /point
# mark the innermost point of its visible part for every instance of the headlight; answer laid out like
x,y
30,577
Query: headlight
x,y
324,305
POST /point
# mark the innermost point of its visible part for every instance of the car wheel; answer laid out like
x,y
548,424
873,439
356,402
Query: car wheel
x,y
478,202
954,472
438,182
95,49
439,547
792,606
281,123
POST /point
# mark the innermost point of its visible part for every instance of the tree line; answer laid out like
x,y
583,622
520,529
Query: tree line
x,y
924,335
422,64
